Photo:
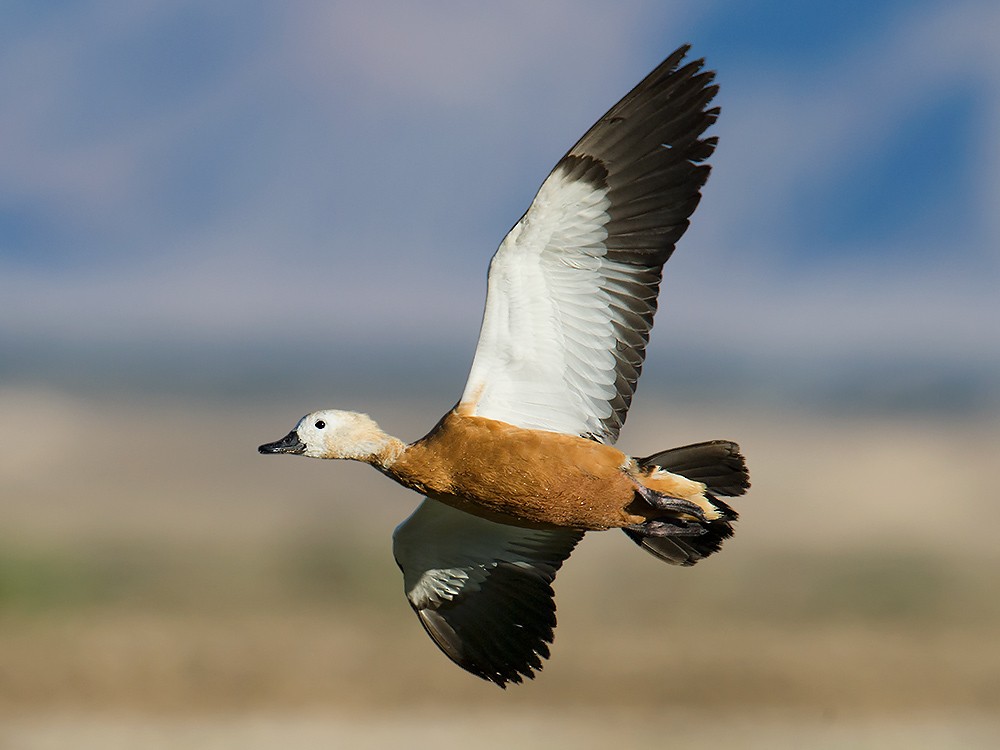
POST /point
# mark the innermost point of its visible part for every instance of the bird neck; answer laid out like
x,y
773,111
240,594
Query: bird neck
x,y
383,451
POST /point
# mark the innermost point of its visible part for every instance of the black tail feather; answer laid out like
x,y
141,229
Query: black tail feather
x,y
722,468
717,463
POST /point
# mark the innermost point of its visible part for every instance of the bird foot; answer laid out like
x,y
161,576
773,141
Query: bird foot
x,y
667,528
668,503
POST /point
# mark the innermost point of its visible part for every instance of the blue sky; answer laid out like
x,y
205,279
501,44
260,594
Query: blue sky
x,y
314,178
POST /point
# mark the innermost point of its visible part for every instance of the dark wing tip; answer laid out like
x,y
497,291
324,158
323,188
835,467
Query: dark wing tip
x,y
499,644
650,152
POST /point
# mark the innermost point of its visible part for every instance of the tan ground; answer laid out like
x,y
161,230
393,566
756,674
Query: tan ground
x,y
162,585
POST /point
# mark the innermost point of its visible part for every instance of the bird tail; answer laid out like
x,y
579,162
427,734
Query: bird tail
x,y
723,470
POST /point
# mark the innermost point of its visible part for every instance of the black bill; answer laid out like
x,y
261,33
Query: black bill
x,y
290,443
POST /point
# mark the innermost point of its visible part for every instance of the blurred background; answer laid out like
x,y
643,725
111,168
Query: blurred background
x,y
218,216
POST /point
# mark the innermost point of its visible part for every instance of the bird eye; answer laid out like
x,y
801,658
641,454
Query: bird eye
x,y
320,424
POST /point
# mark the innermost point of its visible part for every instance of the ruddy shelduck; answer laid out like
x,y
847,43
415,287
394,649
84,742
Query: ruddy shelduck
x,y
524,465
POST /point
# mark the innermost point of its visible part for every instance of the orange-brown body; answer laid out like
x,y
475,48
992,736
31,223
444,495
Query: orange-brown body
x,y
532,477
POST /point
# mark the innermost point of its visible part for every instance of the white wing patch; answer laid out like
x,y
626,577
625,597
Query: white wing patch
x,y
545,358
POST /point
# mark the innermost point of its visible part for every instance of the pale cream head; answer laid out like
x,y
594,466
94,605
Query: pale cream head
x,y
336,434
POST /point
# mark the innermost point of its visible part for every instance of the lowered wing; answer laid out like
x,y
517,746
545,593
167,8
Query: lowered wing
x,y
482,590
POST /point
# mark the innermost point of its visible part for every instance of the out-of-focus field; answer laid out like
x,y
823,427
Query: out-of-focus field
x,y
162,585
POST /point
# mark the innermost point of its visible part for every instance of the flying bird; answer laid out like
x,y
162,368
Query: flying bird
x,y
525,464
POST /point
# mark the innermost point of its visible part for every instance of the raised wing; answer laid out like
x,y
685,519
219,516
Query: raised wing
x,y
572,289
482,590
